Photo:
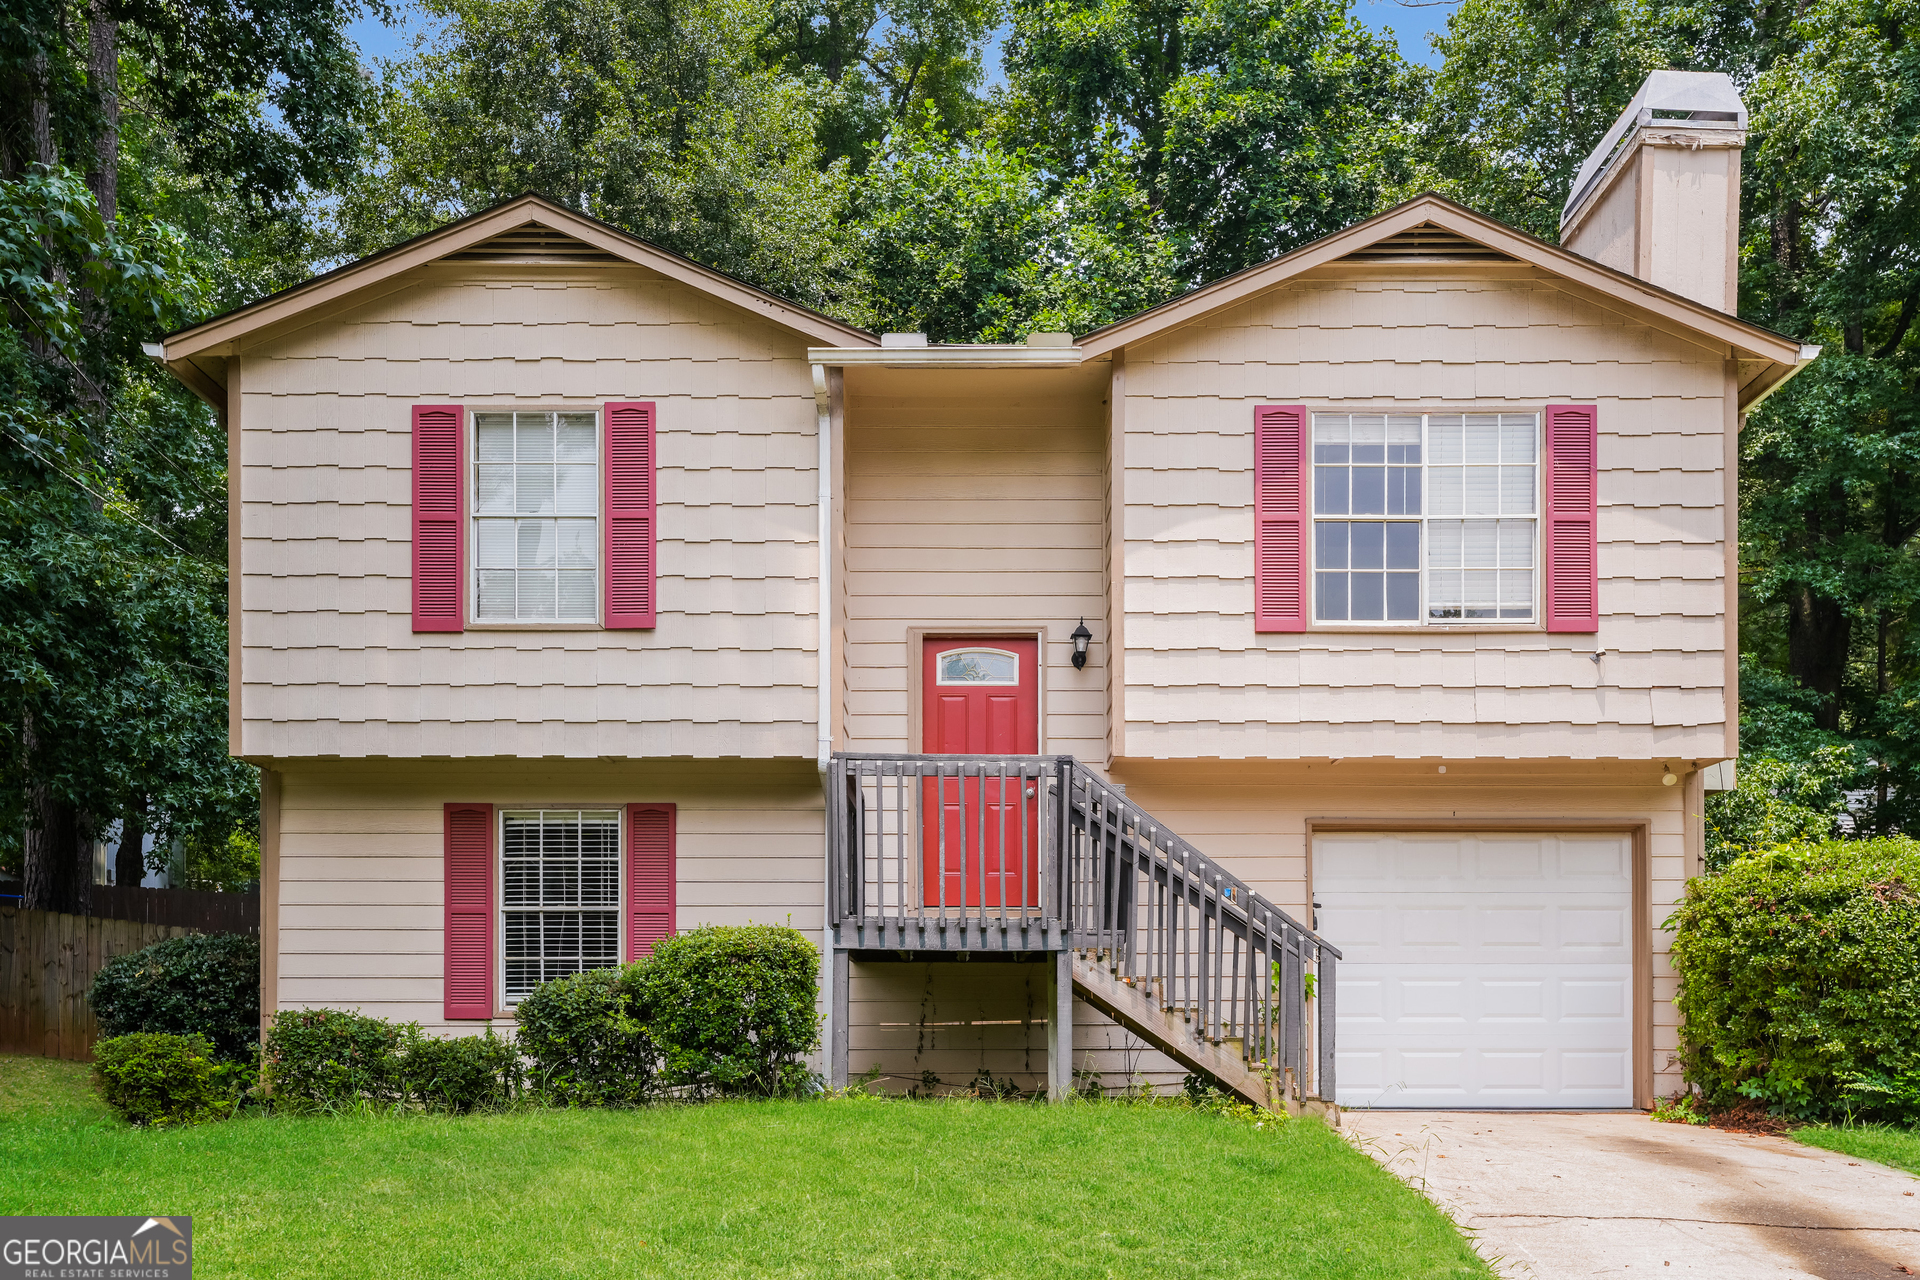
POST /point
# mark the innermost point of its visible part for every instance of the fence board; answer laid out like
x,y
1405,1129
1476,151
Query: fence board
x,y
195,909
47,962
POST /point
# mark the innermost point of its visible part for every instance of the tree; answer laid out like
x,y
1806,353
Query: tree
x,y
112,507
112,537
1252,126
968,240
880,66
654,116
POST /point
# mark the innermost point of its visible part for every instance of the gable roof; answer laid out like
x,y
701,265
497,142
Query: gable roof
x,y
1431,227
527,228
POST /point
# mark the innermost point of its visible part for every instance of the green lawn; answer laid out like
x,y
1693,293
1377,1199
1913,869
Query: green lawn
x,y
843,1188
1881,1143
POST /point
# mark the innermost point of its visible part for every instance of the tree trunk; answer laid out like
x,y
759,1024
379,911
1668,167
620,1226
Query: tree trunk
x,y
103,73
59,861
1818,632
40,113
130,862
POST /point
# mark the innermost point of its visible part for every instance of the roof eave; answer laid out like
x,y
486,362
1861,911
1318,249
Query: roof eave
x,y
348,281
1470,225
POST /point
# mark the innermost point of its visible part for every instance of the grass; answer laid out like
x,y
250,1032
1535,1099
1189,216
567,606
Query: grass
x,y
856,1188
1882,1143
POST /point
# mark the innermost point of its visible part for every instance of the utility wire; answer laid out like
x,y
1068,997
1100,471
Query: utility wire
x,y
102,498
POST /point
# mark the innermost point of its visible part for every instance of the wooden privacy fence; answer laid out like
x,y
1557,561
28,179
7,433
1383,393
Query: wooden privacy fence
x,y
47,962
195,909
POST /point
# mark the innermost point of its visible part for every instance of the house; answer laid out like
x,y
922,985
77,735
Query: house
x,y
1378,600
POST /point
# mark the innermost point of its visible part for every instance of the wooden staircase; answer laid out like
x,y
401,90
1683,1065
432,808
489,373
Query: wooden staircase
x,y
1139,923
1172,1032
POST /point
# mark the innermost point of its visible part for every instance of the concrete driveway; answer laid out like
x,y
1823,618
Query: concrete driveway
x,y
1599,1194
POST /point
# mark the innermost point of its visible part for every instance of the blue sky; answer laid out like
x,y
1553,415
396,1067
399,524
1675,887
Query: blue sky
x,y
1411,23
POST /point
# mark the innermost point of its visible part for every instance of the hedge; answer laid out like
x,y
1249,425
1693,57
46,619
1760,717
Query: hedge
x,y
156,1079
1800,980
200,984
731,1009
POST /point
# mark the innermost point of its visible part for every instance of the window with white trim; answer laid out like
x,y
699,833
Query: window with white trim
x,y
559,894
1425,518
536,517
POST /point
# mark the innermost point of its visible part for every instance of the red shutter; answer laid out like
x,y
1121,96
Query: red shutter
x,y
630,516
650,875
1572,537
436,517
469,928
1280,592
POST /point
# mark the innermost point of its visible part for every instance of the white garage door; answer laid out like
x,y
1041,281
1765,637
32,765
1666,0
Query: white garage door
x,y
1481,971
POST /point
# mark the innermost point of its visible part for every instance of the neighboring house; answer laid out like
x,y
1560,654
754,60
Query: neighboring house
x,y
561,564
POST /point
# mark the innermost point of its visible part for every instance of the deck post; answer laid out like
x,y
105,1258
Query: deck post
x,y
840,984
1060,1026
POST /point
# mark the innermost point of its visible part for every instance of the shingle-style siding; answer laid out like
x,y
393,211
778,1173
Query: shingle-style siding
x,y
329,665
361,884
985,507
1200,682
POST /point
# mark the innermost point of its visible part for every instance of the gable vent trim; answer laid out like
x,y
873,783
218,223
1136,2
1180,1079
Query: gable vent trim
x,y
1426,243
532,243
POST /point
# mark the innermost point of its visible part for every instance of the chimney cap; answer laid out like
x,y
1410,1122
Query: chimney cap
x,y
1684,99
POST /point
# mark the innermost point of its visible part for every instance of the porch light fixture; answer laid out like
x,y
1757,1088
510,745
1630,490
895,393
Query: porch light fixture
x,y
1081,638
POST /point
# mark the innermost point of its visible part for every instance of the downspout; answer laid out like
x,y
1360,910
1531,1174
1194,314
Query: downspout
x,y
823,710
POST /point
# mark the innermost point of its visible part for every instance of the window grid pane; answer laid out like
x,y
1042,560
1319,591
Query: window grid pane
x,y
536,510
1462,485
559,894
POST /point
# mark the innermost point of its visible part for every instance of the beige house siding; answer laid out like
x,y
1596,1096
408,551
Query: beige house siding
x,y
975,500
1200,682
329,664
361,859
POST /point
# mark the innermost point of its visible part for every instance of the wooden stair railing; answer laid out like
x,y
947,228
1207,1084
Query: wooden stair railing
x,y
1163,939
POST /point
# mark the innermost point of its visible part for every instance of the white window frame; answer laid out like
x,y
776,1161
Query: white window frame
x,y
471,487
500,907
1534,623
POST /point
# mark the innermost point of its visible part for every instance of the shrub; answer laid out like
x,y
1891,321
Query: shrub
x,y
201,984
318,1059
731,1009
330,1059
1800,980
157,1079
584,1046
1780,802
459,1073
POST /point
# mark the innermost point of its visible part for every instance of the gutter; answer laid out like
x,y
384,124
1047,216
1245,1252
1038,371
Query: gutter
x,y
1808,354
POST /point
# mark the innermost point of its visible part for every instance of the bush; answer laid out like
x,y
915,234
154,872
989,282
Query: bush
x,y
319,1059
330,1059
151,1078
459,1073
1780,802
201,984
731,1009
1800,980
583,1043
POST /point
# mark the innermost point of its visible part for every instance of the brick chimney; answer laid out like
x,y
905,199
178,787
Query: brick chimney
x,y
1659,198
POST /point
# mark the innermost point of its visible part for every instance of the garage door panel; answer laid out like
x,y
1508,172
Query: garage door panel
x,y
1496,970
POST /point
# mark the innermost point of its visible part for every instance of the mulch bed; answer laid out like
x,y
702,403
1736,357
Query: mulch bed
x,y
1749,1117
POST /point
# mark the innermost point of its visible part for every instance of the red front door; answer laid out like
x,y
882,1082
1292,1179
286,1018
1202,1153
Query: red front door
x,y
981,697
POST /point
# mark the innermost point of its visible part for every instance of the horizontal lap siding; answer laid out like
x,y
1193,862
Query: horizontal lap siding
x,y
329,665
1201,682
982,510
1259,832
361,880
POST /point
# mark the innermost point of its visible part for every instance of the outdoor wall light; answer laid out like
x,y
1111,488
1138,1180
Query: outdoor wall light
x,y
1081,639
